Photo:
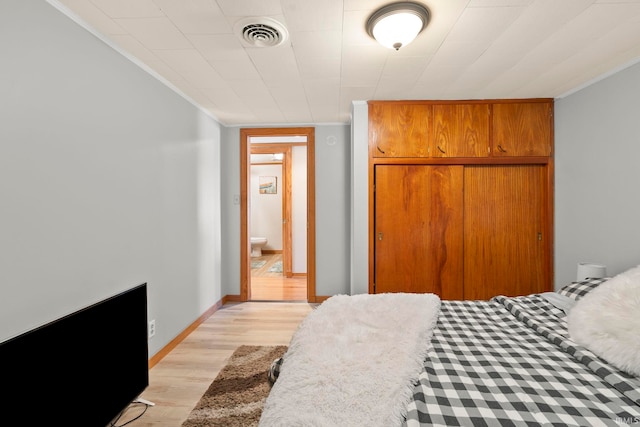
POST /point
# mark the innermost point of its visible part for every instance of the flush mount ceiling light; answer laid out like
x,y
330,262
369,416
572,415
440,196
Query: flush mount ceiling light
x,y
397,24
261,32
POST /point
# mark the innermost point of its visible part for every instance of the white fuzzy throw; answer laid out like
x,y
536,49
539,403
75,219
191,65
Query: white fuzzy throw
x,y
354,361
607,321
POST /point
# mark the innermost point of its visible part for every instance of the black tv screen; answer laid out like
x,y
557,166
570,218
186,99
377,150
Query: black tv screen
x,y
82,369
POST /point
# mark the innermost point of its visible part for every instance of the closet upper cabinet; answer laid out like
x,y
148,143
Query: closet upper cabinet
x,y
399,129
522,129
460,130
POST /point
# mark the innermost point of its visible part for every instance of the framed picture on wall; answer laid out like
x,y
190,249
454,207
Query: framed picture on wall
x,y
268,184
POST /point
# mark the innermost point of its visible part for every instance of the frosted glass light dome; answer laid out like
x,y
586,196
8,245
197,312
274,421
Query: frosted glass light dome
x,y
397,24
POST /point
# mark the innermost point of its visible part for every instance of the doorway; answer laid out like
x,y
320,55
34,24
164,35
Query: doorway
x,y
271,141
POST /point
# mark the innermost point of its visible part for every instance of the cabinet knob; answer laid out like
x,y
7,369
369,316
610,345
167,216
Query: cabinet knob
x,y
379,149
379,236
441,150
500,149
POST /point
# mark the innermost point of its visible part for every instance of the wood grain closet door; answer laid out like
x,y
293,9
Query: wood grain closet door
x,y
522,129
418,229
505,233
460,130
399,130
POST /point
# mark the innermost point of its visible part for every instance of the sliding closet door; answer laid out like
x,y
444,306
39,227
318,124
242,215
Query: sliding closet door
x,y
505,239
418,229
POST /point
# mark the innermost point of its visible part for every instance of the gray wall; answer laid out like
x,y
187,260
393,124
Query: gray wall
x,y
360,198
332,156
597,148
107,179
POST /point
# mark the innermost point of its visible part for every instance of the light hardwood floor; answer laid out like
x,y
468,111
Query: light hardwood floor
x,y
177,382
270,286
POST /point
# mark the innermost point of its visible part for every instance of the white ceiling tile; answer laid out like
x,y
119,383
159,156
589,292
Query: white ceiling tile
x,y
195,16
368,5
353,28
470,49
133,46
155,33
313,15
349,94
204,77
250,7
161,67
276,65
291,100
183,60
94,17
587,64
241,69
129,8
363,65
249,89
391,88
224,96
499,3
322,92
289,93
324,113
483,25
300,116
194,93
319,68
218,47
317,44
408,68
192,67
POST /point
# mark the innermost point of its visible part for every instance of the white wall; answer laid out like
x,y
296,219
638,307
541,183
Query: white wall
x,y
107,179
597,147
266,209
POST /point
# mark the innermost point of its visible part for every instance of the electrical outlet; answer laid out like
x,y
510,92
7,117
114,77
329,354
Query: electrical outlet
x,y
152,328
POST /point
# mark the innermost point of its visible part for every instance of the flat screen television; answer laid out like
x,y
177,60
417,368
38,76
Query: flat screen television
x,y
83,369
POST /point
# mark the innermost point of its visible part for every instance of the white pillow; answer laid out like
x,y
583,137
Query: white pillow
x,y
607,321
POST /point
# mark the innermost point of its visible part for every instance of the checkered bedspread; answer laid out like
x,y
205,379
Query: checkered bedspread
x,y
509,362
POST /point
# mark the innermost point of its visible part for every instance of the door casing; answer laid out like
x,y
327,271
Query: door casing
x,y
245,244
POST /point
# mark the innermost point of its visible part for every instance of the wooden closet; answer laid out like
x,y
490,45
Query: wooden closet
x,y
461,200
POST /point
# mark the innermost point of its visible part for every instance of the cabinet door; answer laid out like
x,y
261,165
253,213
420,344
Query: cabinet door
x,y
460,130
418,229
399,130
522,129
505,231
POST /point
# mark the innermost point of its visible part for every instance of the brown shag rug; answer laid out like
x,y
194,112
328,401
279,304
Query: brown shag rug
x,y
237,395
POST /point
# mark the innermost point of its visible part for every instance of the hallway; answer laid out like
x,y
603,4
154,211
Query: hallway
x,y
269,284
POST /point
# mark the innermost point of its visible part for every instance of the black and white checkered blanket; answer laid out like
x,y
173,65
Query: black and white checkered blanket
x,y
510,362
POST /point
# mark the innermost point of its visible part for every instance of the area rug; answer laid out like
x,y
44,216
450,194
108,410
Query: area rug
x,y
276,267
257,264
237,395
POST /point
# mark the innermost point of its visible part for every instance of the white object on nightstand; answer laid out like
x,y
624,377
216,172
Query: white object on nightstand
x,y
593,271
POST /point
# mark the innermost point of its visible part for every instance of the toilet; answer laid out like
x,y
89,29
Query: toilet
x,y
257,243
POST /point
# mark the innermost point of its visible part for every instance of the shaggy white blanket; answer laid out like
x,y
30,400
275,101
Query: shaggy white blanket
x,y
353,362
607,321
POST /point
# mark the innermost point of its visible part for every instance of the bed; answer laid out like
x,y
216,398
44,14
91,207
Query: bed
x,y
570,357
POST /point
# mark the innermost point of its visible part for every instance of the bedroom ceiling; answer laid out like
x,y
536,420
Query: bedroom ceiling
x,y
471,49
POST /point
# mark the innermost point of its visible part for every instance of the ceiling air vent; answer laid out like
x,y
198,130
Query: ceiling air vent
x,y
261,32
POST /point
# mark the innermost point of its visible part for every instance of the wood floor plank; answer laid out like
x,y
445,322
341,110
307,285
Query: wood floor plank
x,y
271,286
177,382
